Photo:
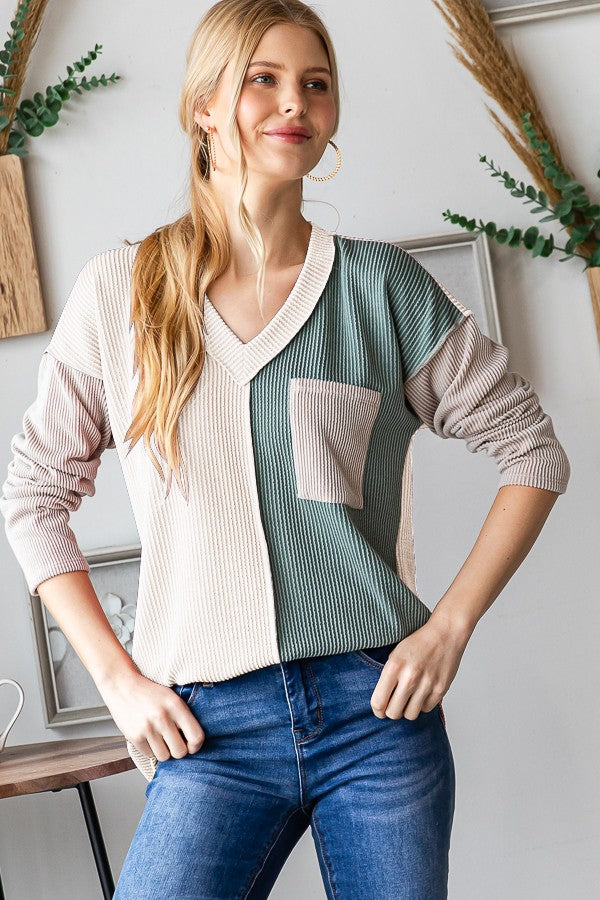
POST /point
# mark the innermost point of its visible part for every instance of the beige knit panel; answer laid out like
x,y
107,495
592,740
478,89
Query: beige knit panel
x,y
466,391
406,565
205,603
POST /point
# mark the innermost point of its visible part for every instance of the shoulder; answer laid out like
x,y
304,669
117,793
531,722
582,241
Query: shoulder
x,y
102,279
108,265
370,251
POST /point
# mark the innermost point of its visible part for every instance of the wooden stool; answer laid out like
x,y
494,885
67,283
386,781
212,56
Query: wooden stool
x,y
55,765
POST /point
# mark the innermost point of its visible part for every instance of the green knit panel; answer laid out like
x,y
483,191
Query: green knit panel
x,y
333,566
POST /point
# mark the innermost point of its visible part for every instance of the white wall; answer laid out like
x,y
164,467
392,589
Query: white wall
x,y
522,712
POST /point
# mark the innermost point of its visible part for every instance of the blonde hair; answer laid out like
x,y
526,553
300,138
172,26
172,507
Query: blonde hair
x,y
175,263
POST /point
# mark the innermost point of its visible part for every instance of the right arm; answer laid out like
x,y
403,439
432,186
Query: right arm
x,y
55,460
148,714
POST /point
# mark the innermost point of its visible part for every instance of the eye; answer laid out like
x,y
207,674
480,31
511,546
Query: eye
x,y
323,85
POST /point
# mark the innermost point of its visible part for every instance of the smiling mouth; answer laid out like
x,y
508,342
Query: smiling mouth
x,y
288,138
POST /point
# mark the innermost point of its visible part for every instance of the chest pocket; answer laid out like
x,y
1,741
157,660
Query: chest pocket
x,y
331,424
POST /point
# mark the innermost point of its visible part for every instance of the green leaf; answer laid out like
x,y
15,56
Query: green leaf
x,y
570,246
568,219
490,229
35,129
595,257
539,246
549,218
48,118
581,202
530,237
592,212
514,237
549,248
563,207
502,236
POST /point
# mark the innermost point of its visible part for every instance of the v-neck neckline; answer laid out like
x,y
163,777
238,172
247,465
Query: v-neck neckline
x,y
244,359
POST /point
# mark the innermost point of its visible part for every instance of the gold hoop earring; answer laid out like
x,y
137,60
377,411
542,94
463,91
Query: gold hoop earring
x,y
335,171
211,147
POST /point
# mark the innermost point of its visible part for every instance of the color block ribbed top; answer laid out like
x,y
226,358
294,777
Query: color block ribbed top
x,y
296,537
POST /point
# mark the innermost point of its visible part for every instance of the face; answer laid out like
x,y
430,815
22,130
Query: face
x,y
289,87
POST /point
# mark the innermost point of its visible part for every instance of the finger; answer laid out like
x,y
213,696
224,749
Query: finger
x,y
158,746
386,687
410,705
176,744
193,732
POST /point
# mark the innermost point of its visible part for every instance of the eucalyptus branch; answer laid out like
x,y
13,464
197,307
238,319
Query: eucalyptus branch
x,y
573,207
33,116
42,112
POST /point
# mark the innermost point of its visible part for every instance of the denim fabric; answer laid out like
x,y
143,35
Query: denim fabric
x,y
287,746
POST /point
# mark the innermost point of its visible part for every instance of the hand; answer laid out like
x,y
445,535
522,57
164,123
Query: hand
x,y
152,716
419,670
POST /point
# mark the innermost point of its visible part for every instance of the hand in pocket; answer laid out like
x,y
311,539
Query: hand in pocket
x,y
152,717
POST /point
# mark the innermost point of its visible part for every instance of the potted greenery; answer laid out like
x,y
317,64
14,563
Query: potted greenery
x,y
21,309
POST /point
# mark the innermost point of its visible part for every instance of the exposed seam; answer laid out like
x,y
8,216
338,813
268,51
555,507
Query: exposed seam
x,y
438,345
323,853
319,705
287,698
270,848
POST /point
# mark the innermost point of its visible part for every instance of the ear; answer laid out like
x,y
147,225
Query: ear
x,y
201,118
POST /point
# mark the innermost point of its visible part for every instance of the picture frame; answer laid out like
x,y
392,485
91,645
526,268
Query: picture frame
x,y
461,262
68,692
509,12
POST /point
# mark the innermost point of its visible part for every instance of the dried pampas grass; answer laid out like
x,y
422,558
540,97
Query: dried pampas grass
x,y
18,67
504,80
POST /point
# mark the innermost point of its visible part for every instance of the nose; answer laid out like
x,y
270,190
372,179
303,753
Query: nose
x,y
293,99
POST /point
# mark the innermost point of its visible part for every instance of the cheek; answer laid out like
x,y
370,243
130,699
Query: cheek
x,y
253,109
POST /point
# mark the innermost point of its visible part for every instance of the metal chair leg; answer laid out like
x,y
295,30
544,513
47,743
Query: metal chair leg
x,y
97,841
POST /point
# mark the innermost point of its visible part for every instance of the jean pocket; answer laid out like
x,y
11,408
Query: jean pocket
x,y
376,656
187,692
331,424
442,716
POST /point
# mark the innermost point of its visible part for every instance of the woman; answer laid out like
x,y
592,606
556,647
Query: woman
x,y
284,671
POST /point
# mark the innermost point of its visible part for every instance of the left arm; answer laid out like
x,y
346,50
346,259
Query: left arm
x,y
510,530
465,391
424,664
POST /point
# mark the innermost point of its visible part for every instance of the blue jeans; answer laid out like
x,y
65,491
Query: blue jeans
x,y
287,746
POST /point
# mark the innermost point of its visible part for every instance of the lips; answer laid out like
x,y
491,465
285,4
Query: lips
x,y
296,131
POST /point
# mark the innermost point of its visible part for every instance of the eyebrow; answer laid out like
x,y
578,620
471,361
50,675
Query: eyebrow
x,y
274,65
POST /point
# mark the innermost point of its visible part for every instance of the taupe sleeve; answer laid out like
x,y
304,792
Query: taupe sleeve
x,y
466,391
55,461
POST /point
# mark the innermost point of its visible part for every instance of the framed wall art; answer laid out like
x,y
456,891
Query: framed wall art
x,y
69,694
508,12
461,263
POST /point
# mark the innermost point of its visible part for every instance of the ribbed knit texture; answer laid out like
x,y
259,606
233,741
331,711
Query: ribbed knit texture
x,y
296,539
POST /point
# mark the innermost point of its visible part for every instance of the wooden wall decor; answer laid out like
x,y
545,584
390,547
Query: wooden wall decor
x,y
593,274
21,306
